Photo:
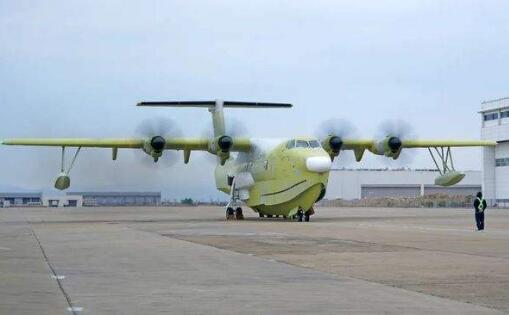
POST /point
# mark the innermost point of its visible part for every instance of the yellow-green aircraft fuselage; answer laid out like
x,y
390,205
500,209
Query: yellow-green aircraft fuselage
x,y
288,177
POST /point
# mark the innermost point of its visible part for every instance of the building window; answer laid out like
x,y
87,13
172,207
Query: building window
x,y
490,116
504,114
502,162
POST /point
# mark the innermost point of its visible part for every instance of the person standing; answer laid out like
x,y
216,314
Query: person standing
x,y
480,207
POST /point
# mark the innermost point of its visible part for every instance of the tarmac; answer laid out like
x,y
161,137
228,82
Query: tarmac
x,y
189,260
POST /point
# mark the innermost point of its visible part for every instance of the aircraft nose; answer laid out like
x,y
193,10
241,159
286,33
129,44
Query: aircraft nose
x,y
318,164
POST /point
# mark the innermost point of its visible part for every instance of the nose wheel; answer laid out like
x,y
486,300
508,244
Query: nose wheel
x,y
234,214
238,214
230,214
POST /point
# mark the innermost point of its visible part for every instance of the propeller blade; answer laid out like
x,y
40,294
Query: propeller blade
x,y
337,127
154,129
343,129
402,131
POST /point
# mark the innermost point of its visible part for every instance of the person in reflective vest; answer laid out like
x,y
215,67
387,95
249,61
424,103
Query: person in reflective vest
x,y
480,207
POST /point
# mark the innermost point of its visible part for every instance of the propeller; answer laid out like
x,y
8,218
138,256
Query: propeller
x,y
340,129
158,130
398,131
233,128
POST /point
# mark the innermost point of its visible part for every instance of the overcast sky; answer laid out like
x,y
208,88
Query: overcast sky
x,y
77,68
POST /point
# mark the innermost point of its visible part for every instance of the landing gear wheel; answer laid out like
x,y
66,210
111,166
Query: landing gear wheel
x,y
238,214
300,214
230,214
260,215
269,215
306,216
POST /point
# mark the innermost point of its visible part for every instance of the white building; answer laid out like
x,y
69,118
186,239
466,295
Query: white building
x,y
91,199
356,184
495,126
62,201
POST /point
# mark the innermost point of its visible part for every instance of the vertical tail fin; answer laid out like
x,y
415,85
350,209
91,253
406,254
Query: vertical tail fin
x,y
218,118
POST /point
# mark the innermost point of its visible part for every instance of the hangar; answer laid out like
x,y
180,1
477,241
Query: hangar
x,y
21,199
113,199
495,126
351,184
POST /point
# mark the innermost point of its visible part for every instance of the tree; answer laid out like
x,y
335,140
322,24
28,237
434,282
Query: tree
x,y
187,201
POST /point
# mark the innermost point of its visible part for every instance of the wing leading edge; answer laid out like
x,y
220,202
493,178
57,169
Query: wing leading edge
x,y
193,144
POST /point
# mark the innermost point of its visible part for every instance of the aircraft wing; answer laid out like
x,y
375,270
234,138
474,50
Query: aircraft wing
x,y
198,144
446,143
352,144
75,142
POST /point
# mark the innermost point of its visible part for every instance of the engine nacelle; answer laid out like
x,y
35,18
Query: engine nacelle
x,y
390,147
155,147
332,145
221,147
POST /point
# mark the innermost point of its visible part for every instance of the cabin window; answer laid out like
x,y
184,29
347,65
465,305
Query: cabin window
x,y
314,144
290,144
301,144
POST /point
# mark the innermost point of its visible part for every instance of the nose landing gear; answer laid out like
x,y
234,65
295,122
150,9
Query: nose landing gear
x,y
234,214
238,214
230,214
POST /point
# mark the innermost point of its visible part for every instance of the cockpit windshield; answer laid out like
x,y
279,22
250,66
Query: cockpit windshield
x,y
313,144
301,144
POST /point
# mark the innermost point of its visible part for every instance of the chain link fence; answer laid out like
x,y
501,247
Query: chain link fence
x,y
427,201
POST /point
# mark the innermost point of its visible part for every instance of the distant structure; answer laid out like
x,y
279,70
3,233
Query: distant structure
x,y
495,126
62,201
118,199
25,199
352,184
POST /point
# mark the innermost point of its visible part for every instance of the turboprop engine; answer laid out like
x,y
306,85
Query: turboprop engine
x,y
221,146
155,147
332,145
390,147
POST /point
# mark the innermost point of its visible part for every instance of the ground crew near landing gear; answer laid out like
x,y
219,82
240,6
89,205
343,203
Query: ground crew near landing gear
x,y
480,207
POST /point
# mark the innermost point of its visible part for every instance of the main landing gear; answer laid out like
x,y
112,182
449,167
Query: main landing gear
x,y
304,216
300,216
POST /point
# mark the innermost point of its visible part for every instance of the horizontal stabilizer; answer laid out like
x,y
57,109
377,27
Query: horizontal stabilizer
x,y
208,104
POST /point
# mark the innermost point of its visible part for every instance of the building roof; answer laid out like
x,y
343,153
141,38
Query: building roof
x,y
21,195
116,194
490,105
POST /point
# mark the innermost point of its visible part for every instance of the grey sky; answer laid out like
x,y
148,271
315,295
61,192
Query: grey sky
x,y
71,69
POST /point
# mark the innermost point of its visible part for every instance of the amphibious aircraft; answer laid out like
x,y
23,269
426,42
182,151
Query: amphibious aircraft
x,y
273,177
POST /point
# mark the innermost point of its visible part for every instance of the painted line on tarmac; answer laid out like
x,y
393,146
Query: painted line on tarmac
x,y
415,227
75,309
